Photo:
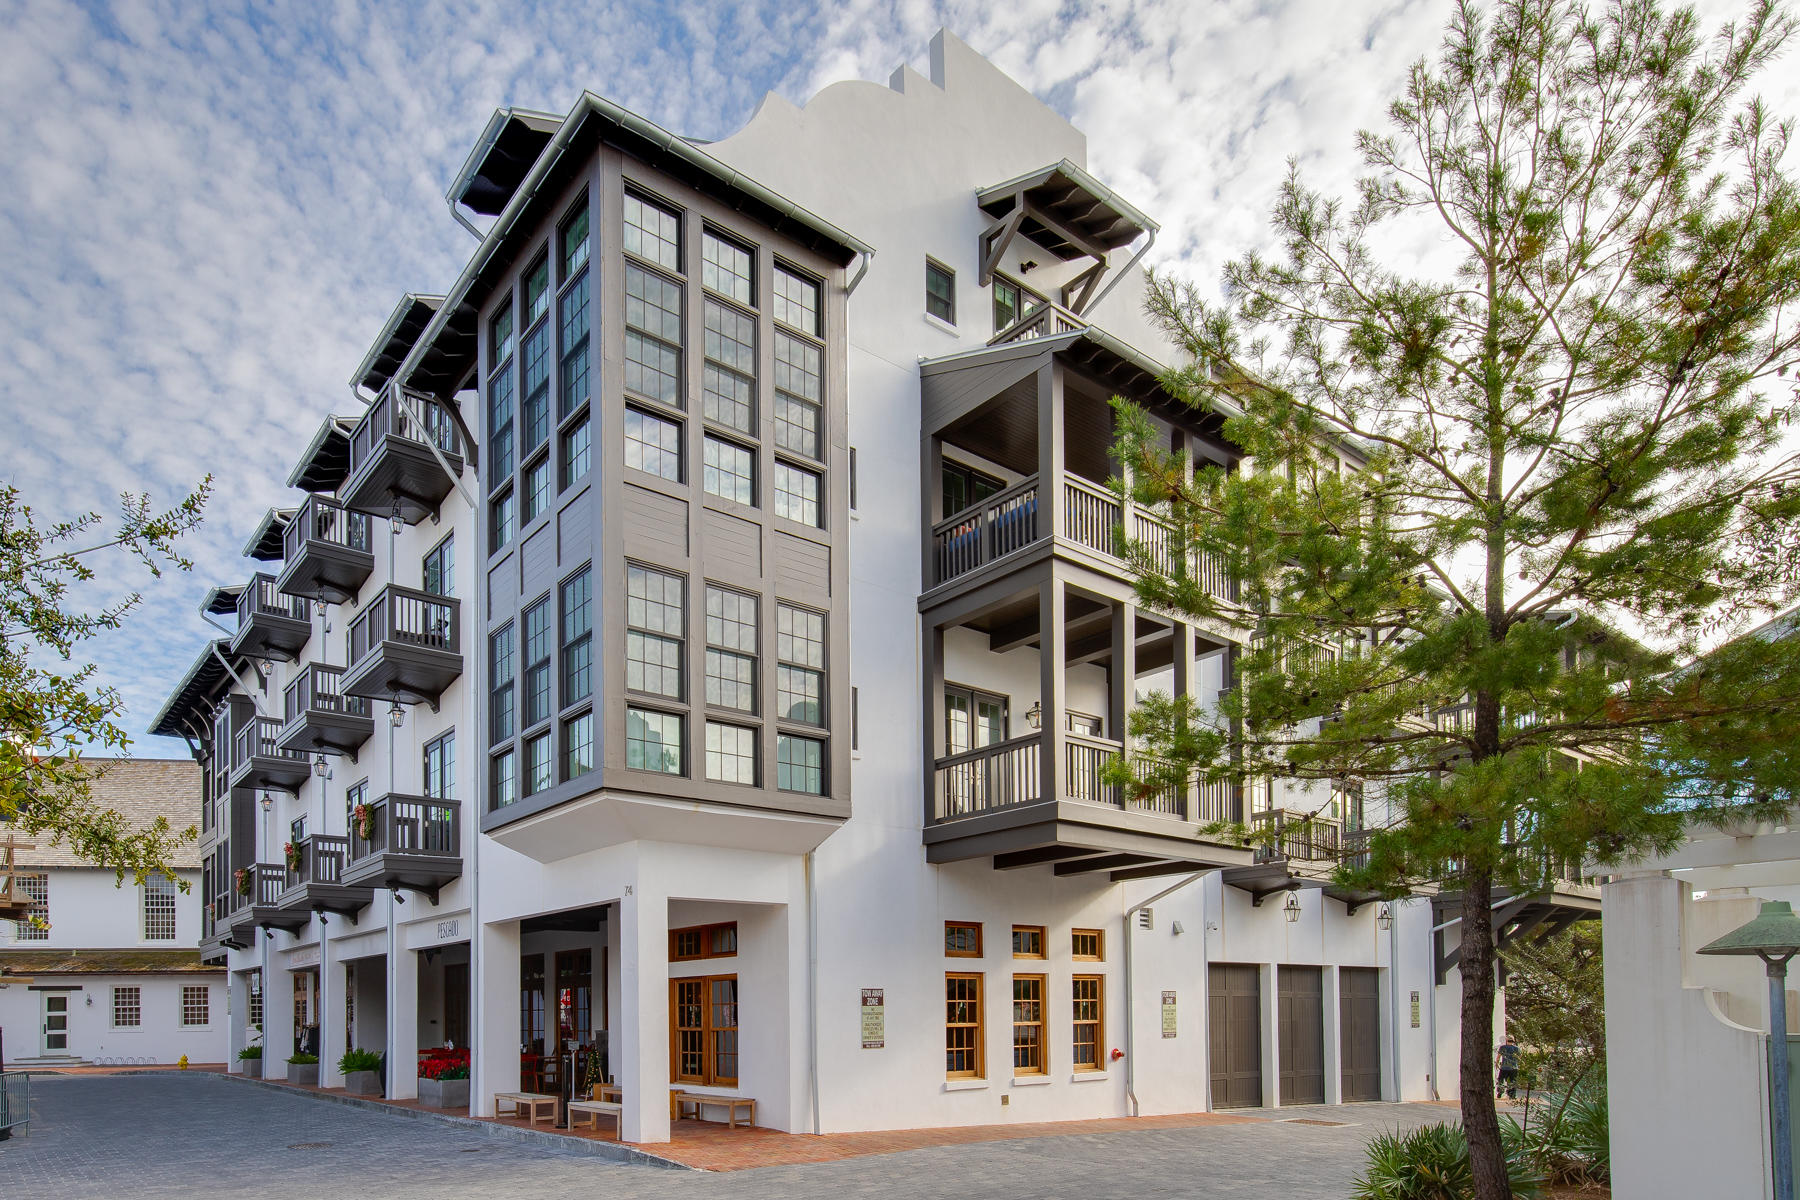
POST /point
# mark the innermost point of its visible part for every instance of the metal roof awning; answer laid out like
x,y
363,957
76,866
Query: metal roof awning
x,y
325,463
265,544
402,330
222,601
503,155
187,713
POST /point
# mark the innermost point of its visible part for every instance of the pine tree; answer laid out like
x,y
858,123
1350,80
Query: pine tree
x,y
1490,514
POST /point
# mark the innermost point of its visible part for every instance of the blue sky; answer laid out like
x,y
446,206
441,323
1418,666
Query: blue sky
x,y
212,208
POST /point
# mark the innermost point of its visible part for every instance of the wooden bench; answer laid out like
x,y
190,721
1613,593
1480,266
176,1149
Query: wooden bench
x,y
731,1104
525,1104
593,1110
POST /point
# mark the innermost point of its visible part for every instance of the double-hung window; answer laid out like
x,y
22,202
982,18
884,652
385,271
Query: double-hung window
x,y
534,411
797,493
728,388
962,1026
575,323
127,1008
536,646
440,767
940,292
652,444
798,380
1089,995
159,908
652,336
726,268
1028,1025
502,714
796,302
577,637
731,646
503,522
652,232
800,673
655,626
439,569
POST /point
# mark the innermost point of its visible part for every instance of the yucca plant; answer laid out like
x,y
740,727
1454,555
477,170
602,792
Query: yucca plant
x,y
1566,1142
1431,1163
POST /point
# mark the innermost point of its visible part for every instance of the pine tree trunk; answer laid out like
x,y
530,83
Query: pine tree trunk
x,y
1487,1158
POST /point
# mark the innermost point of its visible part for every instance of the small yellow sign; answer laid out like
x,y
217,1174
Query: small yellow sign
x,y
1168,1014
874,1019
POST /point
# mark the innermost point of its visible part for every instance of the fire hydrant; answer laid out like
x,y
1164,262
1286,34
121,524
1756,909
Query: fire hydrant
x,y
183,1063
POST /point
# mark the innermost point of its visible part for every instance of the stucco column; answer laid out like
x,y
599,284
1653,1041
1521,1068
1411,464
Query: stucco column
x,y
280,1019
332,1034
494,1057
1271,1033
643,1067
237,1027
1333,1058
403,1023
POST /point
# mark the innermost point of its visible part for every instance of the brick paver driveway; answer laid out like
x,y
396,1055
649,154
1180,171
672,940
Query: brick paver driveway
x,y
161,1135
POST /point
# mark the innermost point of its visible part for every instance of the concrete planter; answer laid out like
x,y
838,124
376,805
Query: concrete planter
x,y
252,1067
307,1073
444,1093
362,1083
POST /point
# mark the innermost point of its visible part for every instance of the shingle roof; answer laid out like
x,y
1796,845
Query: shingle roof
x,y
103,962
140,790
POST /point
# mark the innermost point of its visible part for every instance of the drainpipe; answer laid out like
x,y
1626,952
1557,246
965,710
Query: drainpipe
x,y
868,257
812,991
1394,1000
1130,924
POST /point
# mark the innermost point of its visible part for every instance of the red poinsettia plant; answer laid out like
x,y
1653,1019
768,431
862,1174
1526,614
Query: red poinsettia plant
x,y
443,1064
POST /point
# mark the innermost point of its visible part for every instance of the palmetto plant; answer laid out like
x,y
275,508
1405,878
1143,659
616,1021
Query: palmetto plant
x,y
1431,1163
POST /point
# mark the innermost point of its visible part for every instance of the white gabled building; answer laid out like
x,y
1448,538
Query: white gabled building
x,y
750,738
103,970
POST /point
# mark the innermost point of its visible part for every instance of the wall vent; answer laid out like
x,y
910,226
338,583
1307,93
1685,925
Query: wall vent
x,y
1146,918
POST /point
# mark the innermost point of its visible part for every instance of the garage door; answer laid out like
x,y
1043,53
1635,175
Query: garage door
x,y
1359,1023
1300,1011
1234,1035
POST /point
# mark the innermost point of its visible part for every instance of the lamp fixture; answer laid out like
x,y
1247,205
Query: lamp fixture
x,y
396,715
321,768
1291,907
268,801
1035,715
1384,918
396,522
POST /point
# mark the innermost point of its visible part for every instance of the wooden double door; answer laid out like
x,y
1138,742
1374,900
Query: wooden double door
x,y
1234,1034
1300,1020
1359,1032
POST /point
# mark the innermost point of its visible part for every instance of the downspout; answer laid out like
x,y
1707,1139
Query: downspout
x,y
1130,1045
812,992
868,257
1122,273
467,224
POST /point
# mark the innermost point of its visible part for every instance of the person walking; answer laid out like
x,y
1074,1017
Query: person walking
x,y
1506,1058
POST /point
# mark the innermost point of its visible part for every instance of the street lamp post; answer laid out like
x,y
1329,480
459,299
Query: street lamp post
x,y
1774,937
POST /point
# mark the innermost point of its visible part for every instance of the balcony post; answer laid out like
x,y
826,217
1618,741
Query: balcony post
x,y
934,721
1050,456
1052,652
931,503
1182,652
1124,670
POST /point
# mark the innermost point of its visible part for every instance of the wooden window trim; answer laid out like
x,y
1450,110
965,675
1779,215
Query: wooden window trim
x,y
707,1030
948,926
1042,945
1099,936
705,933
1043,1048
1098,1023
979,1044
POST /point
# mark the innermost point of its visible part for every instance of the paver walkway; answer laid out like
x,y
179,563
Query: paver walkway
x,y
184,1135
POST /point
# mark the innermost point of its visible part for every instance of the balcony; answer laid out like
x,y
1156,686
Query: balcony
x,y
317,883
405,457
414,842
320,719
991,801
327,551
1048,319
260,908
259,761
405,646
270,624
1296,850
1092,518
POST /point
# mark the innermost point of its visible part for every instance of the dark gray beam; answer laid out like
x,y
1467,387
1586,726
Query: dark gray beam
x,y
1015,859
1103,862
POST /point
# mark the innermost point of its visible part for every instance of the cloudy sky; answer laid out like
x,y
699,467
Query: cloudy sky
x,y
211,208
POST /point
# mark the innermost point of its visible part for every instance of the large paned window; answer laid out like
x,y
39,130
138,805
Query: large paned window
x,y
964,486
127,1007
800,764
655,627
439,569
578,745
1089,994
962,1026
574,243
535,360
725,267
797,301
1028,1025
800,671
531,1003
653,741
536,490
577,452
728,386
196,1005
159,909
973,719
502,644
539,773
652,232
503,782
798,383
536,646
575,323
731,649
652,336
730,753
729,471
440,767
505,522
36,890
703,1030
652,444
797,493
577,637
1012,302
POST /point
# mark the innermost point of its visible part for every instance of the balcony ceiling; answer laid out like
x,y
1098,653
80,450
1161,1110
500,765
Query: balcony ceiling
x,y
1079,214
326,460
187,713
402,330
265,544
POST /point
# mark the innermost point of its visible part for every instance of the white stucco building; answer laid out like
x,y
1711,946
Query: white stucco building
x,y
104,971
750,732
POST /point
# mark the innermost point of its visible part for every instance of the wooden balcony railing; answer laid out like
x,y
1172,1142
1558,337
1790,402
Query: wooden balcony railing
x,y
996,776
261,597
322,858
266,883
317,691
399,614
322,519
257,739
419,825
1007,773
988,531
1048,319
414,419
1301,837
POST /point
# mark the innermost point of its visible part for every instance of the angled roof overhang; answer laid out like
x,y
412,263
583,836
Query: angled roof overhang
x,y
265,544
325,463
222,601
187,713
1067,211
397,338
501,158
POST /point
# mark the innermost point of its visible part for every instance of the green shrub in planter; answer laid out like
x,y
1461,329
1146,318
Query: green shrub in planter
x,y
1566,1139
359,1060
249,1052
1431,1163
302,1059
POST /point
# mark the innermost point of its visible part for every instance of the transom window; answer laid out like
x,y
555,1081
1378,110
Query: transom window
x,y
1087,945
653,741
797,390
652,232
729,470
654,630
731,648
940,292
1028,941
652,336
703,941
796,301
703,1018
652,444
159,909
800,653
1028,1025
725,267
962,939
796,493
730,753
962,1026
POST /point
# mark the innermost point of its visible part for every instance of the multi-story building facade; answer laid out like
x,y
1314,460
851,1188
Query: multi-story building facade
x,y
98,969
780,744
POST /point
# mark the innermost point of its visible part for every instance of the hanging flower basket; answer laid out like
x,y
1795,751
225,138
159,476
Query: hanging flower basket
x,y
363,816
243,881
292,851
